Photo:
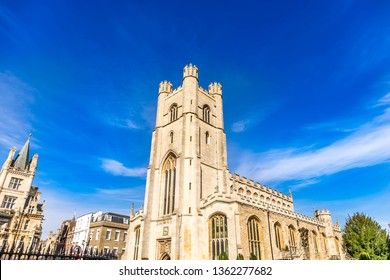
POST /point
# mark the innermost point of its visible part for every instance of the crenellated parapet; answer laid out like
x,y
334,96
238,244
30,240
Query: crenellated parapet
x,y
215,88
165,87
190,71
250,188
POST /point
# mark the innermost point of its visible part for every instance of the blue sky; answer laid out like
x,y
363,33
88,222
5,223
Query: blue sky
x,y
306,88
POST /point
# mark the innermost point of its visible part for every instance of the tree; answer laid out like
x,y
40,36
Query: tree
x,y
240,257
365,239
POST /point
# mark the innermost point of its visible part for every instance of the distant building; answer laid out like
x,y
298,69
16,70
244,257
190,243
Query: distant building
x,y
21,214
196,209
65,236
80,234
108,234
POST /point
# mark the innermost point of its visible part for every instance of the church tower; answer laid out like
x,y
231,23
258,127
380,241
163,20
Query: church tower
x,y
187,163
195,209
20,213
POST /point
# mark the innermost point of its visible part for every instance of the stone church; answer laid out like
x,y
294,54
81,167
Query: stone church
x,y
21,214
195,209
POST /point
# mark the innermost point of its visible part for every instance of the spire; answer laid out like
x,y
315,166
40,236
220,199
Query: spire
x,y
22,159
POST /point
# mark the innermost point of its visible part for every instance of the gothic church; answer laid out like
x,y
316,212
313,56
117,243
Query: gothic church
x,y
195,209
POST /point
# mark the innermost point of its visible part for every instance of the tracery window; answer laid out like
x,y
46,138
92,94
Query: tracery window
x,y
169,183
173,112
292,234
278,235
254,227
206,113
218,235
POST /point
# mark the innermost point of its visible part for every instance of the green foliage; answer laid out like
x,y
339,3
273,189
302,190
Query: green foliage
x,y
364,256
240,257
253,257
364,238
223,256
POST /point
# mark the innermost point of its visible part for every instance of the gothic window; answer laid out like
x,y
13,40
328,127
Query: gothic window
x,y
8,202
137,232
173,112
325,245
169,185
336,240
206,113
278,235
15,183
292,234
254,227
218,235
315,242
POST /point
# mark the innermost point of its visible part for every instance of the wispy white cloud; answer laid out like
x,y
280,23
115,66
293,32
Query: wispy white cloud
x,y
16,118
240,126
118,169
123,123
133,194
368,145
385,100
249,120
375,205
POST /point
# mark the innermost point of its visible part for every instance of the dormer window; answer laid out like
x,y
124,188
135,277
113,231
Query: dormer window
x,y
206,113
173,112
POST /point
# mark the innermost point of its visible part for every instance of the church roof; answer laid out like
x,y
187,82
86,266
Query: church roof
x,y
22,158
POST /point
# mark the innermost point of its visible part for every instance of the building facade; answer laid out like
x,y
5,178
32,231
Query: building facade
x,y
81,230
195,209
108,234
65,236
21,214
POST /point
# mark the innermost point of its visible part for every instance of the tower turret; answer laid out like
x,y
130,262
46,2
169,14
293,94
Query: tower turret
x,y
165,87
190,71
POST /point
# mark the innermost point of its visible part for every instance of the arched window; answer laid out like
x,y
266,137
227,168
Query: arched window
x,y
254,227
337,244
137,232
292,234
218,236
315,242
207,137
325,243
278,235
173,112
171,137
169,183
206,113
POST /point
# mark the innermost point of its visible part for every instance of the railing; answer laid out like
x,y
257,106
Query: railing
x,y
14,253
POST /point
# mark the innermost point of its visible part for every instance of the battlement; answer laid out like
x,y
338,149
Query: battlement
x,y
190,71
258,186
215,88
165,86
322,212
